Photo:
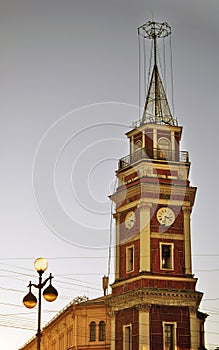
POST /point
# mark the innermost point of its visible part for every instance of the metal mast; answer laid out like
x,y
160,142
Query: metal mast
x,y
154,37
156,108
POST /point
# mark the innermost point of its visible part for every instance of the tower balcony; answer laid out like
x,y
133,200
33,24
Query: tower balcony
x,y
154,154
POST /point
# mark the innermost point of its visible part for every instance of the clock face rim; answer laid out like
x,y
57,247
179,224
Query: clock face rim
x,y
160,218
129,224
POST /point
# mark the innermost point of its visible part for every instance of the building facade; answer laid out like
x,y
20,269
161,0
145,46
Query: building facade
x,y
154,304
83,324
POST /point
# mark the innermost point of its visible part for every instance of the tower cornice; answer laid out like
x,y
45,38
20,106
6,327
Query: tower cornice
x,y
155,297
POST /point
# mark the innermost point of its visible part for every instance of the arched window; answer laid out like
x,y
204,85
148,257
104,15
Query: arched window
x,y
93,331
137,145
102,331
137,151
164,148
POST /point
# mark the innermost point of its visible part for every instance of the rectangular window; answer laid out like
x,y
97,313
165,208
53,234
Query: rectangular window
x,y
129,259
169,336
127,337
166,256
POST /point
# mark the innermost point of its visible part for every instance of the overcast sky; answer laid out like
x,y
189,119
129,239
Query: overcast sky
x,y
69,92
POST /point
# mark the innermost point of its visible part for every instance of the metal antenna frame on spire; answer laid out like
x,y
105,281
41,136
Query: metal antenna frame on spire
x,y
154,30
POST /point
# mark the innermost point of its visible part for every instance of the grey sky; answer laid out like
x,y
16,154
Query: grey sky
x,y
59,56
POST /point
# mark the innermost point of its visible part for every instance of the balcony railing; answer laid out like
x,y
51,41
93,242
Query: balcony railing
x,y
154,154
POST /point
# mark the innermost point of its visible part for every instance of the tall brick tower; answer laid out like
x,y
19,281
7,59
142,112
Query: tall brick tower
x,y
155,305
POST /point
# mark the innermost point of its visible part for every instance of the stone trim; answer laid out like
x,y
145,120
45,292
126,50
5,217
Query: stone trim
x,y
152,297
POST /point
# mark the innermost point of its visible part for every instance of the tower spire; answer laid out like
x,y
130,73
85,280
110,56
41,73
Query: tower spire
x,y
156,109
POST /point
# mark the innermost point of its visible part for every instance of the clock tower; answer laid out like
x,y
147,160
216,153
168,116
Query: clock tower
x,y
155,305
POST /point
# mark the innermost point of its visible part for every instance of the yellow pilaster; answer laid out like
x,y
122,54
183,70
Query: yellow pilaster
x,y
132,145
155,142
194,335
145,233
144,328
173,144
143,139
187,234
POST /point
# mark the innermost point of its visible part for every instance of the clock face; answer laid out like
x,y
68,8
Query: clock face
x,y
165,216
130,220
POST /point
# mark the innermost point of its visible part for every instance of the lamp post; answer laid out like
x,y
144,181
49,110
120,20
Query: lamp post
x,y
49,293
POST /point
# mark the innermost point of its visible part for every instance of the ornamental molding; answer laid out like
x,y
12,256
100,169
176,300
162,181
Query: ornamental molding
x,y
111,314
144,205
143,307
187,210
192,310
148,297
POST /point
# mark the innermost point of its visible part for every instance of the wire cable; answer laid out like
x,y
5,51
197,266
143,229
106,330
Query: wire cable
x,y
172,83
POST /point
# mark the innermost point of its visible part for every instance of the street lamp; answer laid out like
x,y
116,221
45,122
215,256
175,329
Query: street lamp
x,y
49,293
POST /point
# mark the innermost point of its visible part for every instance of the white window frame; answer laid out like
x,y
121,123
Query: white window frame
x,y
171,256
164,147
174,324
129,345
137,145
128,263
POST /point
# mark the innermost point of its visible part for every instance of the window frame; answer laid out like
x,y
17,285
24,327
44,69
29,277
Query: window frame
x,y
92,331
125,345
171,259
102,330
164,148
174,337
137,145
130,265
